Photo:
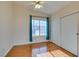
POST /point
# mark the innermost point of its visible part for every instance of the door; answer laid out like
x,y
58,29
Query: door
x,y
68,33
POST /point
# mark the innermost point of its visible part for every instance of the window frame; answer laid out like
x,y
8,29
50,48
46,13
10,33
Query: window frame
x,y
39,29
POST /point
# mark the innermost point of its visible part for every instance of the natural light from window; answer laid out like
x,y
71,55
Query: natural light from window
x,y
39,27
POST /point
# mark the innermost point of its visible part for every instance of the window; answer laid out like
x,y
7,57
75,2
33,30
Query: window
x,y
35,27
43,28
39,28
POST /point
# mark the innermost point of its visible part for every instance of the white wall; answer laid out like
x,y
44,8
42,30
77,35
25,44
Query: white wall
x,y
55,30
5,27
22,24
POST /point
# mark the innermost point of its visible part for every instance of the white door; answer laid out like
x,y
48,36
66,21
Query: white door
x,y
68,33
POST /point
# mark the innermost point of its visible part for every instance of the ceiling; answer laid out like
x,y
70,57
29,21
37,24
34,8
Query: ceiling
x,y
49,7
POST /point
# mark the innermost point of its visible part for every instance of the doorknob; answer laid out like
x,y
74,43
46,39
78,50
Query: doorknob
x,y
77,33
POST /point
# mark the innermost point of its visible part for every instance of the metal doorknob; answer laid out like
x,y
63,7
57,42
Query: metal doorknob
x,y
77,33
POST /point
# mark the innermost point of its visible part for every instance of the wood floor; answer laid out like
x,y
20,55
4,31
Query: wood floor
x,y
44,49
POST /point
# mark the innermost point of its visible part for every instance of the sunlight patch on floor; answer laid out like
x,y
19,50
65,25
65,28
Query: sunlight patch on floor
x,y
55,53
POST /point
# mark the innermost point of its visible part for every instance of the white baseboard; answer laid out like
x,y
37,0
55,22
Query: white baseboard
x,y
30,42
39,42
8,50
55,43
50,41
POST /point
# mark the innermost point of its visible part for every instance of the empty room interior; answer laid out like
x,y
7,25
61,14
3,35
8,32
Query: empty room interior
x,y
39,28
